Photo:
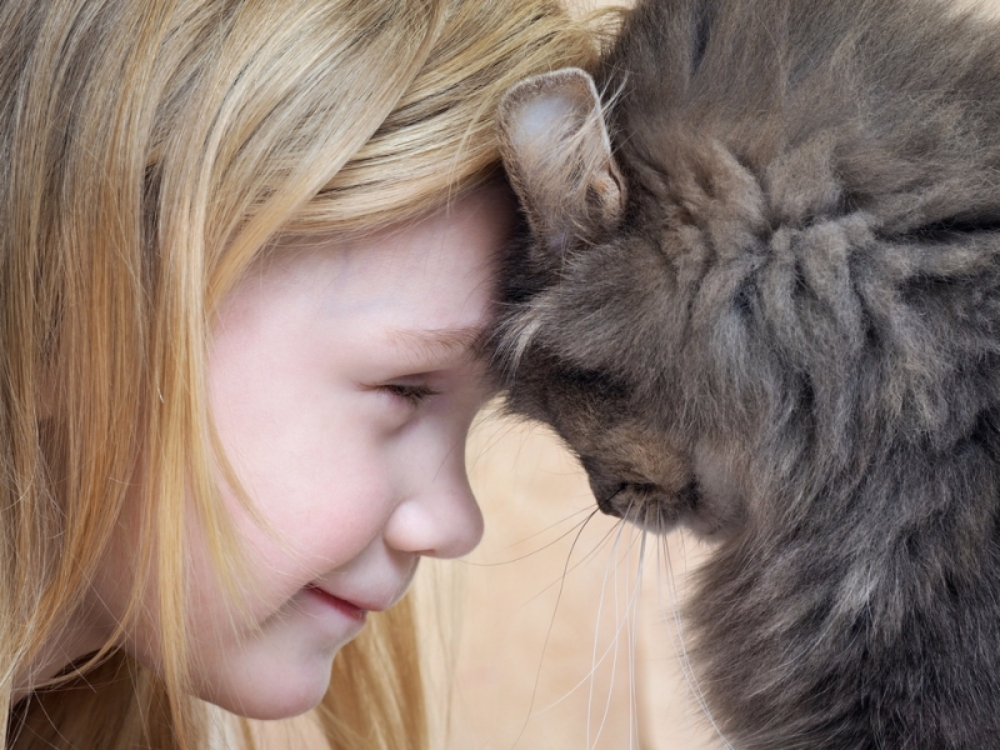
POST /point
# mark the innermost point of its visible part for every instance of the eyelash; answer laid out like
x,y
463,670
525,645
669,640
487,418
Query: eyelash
x,y
415,394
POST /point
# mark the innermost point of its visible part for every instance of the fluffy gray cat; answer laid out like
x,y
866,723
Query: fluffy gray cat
x,y
759,295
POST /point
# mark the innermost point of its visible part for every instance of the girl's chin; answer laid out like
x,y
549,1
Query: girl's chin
x,y
278,695
276,678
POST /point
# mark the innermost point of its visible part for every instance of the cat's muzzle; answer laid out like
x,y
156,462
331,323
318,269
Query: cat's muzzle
x,y
648,505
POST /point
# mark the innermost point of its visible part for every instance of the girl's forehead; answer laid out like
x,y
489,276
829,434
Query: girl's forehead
x,y
426,285
444,264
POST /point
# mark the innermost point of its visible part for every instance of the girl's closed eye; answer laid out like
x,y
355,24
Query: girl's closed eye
x,y
413,393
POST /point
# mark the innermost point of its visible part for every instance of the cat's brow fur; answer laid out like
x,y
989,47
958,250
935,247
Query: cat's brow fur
x,y
788,337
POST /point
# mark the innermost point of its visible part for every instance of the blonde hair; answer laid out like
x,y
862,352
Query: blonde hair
x,y
148,152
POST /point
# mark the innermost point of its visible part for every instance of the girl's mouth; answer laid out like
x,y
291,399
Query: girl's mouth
x,y
348,609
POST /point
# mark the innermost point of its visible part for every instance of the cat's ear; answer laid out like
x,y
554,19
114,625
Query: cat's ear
x,y
556,149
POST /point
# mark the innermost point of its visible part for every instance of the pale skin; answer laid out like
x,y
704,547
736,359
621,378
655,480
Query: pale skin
x,y
343,379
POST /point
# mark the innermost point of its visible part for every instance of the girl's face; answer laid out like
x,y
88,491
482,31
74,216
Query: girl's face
x,y
342,384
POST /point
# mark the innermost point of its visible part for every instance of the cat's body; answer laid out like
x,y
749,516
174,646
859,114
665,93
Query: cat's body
x,y
774,316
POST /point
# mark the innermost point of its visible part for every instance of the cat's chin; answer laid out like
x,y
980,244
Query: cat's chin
x,y
649,506
713,521
655,510
704,516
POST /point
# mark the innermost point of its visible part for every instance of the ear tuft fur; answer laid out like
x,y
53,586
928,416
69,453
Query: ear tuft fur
x,y
556,149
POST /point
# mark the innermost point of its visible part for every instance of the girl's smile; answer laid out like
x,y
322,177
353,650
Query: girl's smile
x,y
348,609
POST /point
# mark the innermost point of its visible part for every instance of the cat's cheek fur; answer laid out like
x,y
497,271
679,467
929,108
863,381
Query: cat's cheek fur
x,y
722,508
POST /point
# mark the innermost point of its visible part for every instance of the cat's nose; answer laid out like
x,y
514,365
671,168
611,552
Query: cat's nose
x,y
604,485
605,495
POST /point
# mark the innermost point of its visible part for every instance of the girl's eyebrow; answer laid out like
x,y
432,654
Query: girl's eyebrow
x,y
441,342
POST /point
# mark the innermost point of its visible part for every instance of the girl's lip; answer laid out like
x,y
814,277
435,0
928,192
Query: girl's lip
x,y
350,609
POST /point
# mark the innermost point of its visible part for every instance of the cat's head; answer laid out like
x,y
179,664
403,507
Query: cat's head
x,y
590,318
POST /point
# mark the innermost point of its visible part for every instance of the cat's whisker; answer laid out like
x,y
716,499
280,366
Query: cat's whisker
x,y
490,417
583,561
595,662
631,622
588,677
597,547
671,611
616,531
577,527
625,620
552,620
633,643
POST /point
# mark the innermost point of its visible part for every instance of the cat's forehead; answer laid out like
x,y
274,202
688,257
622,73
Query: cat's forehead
x,y
596,311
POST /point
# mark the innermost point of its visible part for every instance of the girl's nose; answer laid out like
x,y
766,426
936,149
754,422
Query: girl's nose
x,y
442,520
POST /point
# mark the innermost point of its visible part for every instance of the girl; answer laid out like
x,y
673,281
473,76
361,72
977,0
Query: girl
x,y
246,252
